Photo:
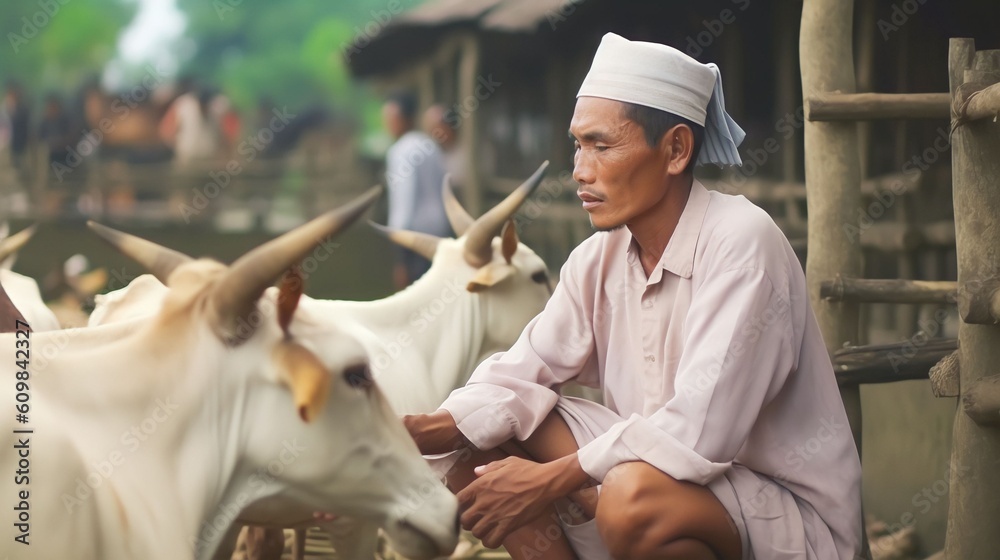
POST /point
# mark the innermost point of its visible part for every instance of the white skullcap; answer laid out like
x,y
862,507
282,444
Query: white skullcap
x,y
664,78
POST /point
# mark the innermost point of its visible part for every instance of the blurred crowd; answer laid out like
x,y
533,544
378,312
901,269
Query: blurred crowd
x,y
50,141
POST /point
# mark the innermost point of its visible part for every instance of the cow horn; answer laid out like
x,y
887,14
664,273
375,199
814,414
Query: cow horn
x,y
479,237
13,244
423,244
460,220
238,291
157,259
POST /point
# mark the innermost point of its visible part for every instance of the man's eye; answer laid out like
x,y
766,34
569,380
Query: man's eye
x,y
600,148
576,145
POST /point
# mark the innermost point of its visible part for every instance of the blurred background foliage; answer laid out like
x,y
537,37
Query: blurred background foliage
x,y
53,45
289,51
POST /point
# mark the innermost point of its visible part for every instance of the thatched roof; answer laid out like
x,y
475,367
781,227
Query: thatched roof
x,y
417,31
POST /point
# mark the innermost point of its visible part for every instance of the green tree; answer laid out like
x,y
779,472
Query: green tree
x,y
55,44
291,51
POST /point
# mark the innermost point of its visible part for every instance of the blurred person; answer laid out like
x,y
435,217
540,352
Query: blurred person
x,y
439,122
18,115
56,130
414,169
190,129
221,111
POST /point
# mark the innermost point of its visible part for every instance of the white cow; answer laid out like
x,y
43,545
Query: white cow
x,y
424,341
150,435
22,290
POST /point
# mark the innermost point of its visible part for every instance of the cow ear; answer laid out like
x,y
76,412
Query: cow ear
x,y
489,276
508,238
306,377
288,297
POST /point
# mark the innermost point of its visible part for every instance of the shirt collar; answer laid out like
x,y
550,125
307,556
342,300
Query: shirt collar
x,y
678,256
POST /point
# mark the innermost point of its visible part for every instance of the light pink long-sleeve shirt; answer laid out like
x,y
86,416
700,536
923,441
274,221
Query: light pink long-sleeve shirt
x,y
714,359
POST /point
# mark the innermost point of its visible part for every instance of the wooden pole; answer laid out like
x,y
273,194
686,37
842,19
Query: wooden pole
x,y
886,363
468,74
982,401
976,103
974,501
833,176
979,301
888,291
870,106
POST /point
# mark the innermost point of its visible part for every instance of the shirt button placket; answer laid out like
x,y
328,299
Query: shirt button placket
x,y
649,328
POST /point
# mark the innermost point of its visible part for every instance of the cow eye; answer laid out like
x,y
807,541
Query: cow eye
x,y
359,376
540,277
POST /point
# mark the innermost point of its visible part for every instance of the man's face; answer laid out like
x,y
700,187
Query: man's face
x,y
394,120
621,177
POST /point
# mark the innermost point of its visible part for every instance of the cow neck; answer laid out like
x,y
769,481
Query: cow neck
x,y
185,414
437,322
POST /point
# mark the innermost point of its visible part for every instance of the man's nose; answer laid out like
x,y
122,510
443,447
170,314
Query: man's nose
x,y
583,171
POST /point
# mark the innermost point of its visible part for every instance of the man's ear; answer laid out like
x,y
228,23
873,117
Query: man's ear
x,y
677,145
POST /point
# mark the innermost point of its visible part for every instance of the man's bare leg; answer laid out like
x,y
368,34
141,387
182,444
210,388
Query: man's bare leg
x,y
644,514
554,440
542,538
641,526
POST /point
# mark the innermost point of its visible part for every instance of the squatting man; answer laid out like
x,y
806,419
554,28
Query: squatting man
x,y
689,310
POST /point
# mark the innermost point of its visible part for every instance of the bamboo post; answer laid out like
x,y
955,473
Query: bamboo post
x,y
886,363
888,291
468,74
974,509
833,177
868,106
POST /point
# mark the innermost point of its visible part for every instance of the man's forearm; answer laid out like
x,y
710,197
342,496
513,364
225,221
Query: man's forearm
x,y
567,477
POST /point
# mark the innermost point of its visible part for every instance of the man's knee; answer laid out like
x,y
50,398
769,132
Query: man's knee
x,y
635,512
623,521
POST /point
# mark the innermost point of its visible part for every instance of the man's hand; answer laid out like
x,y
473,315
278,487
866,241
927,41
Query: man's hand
x,y
434,433
510,493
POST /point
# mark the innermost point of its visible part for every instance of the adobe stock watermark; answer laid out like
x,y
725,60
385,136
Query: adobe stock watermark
x,y
121,108
256,484
557,15
47,10
485,87
900,14
248,149
246,326
363,35
923,501
696,44
886,198
754,159
131,440
418,322
796,459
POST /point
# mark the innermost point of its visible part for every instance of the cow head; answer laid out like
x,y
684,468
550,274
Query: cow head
x,y
294,401
489,258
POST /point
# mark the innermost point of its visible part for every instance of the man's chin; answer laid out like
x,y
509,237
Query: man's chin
x,y
605,227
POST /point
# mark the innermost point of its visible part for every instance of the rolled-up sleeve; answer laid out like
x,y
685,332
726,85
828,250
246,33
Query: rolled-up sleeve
x,y
736,355
512,392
